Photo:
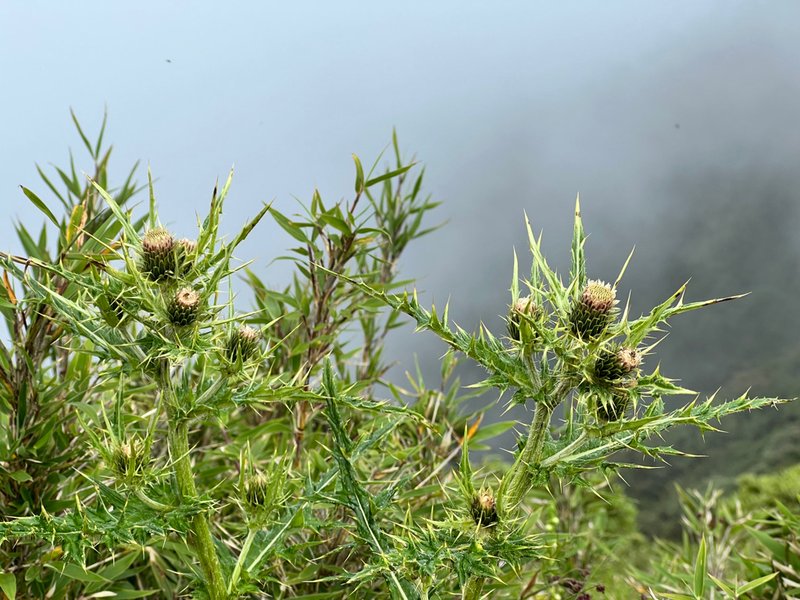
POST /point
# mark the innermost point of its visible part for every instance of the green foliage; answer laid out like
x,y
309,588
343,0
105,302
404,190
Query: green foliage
x,y
46,374
748,549
158,441
758,492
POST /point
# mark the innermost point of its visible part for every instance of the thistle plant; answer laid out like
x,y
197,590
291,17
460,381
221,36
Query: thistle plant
x,y
169,357
569,349
167,335
223,453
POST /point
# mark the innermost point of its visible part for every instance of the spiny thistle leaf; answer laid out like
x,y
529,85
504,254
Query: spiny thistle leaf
x,y
355,496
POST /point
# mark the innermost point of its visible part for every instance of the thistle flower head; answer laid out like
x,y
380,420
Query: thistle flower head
x,y
129,459
184,307
593,311
158,258
484,508
257,491
599,296
522,307
185,255
262,491
157,240
613,365
187,246
242,344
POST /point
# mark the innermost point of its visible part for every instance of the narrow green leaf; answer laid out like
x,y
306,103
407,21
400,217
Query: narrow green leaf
x,y
722,586
359,175
776,547
153,213
130,230
38,203
682,308
335,222
515,280
624,268
751,585
288,226
99,143
578,271
396,147
76,572
488,432
389,175
80,132
465,468
117,569
700,570
53,188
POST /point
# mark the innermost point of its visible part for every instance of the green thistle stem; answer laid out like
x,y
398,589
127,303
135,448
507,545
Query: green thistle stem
x,y
517,480
473,588
178,439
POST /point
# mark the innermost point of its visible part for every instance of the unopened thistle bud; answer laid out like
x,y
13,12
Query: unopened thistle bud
x,y
158,254
613,365
184,307
523,307
593,312
257,492
129,459
242,344
484,508
612,408
186,255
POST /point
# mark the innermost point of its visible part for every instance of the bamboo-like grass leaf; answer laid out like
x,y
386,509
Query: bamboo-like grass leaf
x,y
37,202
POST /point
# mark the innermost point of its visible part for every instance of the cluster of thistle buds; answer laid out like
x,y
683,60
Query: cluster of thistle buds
x,y
484,508
615,368
163,257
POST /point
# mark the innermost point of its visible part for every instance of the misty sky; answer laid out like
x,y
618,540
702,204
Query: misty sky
x,y
676,121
